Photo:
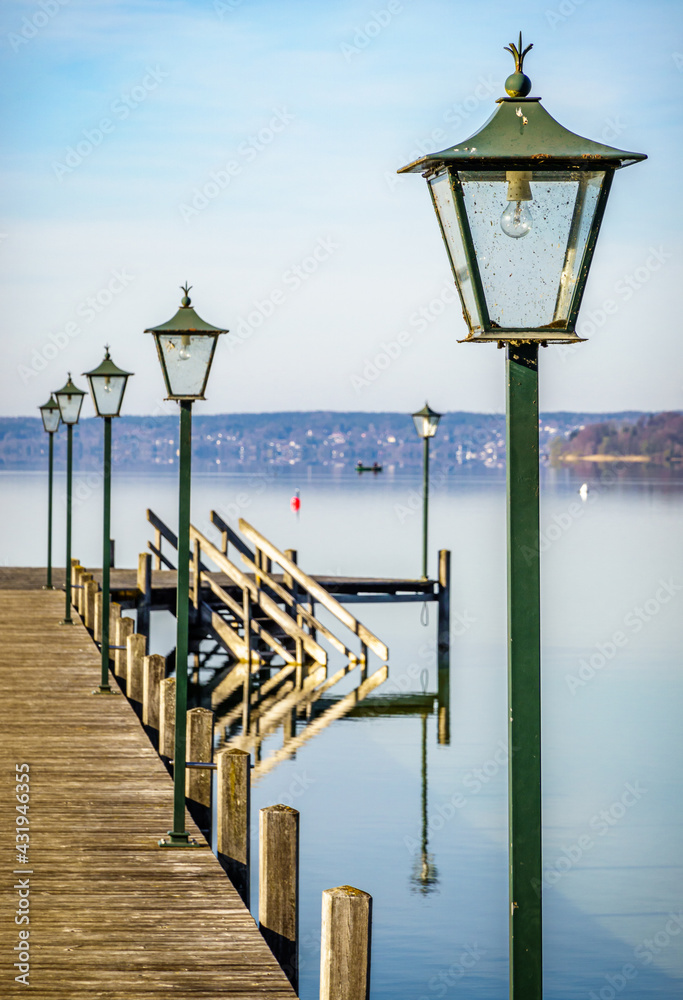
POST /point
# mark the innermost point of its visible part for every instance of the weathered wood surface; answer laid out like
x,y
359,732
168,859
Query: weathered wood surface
x,y
112,914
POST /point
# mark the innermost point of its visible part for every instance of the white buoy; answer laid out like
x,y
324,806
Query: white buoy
x,y
583,491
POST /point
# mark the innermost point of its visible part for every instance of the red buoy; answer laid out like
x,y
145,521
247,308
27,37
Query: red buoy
x,y
295,503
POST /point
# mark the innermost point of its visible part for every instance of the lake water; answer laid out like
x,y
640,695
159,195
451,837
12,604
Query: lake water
x,y
612,585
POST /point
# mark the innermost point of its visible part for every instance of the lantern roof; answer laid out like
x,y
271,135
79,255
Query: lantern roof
x,y
520,132
69,389
50,405
427,411
186,319
106,368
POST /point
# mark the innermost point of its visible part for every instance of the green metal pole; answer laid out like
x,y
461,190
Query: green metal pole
x,y
178,836
69,476
49,512
524,673
105,687
425,506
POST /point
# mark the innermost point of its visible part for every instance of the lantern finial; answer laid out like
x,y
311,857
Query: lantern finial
x,y
518,83
185,301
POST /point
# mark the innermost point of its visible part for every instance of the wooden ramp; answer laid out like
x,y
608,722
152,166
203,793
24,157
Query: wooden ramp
x,y
111,914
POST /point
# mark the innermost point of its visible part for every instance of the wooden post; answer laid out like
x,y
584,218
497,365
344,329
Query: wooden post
x,y
82,596
345,944
279,886
233,813
114,617
167,717
287,578
97,626
75,566
124,628
144,602
135,655
198,779
363,662
246,687
196,586
76,585
311,607
444,649
157,545
153,673
90,592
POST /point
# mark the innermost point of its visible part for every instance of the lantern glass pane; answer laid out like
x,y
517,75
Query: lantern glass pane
x,y
69,406
444,203
51,419
530,281
186,359
107,392
426,426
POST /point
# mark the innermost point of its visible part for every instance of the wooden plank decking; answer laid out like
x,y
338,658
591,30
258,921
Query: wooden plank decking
x,y
112,915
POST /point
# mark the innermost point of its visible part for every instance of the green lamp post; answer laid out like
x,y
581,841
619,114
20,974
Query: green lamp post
x,y
107,385
426,422
519,205
50,414
186,345
70,400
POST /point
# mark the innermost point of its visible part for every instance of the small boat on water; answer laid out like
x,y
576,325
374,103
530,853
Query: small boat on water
x,y
583,491
375,467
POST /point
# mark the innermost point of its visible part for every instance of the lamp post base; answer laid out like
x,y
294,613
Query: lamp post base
x,y
67,621
45,587
105,689
179,840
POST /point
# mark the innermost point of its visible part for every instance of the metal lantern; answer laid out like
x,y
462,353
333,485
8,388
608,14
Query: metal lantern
x,y
70,401
50,414
186,346
520,204
426,421
107,385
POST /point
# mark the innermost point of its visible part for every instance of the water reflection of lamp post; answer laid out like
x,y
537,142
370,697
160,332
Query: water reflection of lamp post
x,y
425,876
107,386
50,414
519,205
186,346
70,400
426,422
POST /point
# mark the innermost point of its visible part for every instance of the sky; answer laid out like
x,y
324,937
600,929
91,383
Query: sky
x,y
250,147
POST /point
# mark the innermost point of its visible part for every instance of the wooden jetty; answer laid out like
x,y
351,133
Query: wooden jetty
x,y
111,914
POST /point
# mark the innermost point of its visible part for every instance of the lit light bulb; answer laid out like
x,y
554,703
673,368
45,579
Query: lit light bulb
x,y
184,352
516,220
107,384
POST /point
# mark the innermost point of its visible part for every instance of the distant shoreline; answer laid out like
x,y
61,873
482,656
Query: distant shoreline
x,y
604,458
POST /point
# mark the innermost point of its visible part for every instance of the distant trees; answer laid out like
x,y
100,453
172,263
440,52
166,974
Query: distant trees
x,y
657,437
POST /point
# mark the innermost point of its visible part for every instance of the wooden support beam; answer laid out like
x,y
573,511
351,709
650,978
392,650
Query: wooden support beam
x,y
97,623
90,590
82,594
444,649
233,809
144,601
153,673
198,779
345,944
167,718
279,885
135,655
124,628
